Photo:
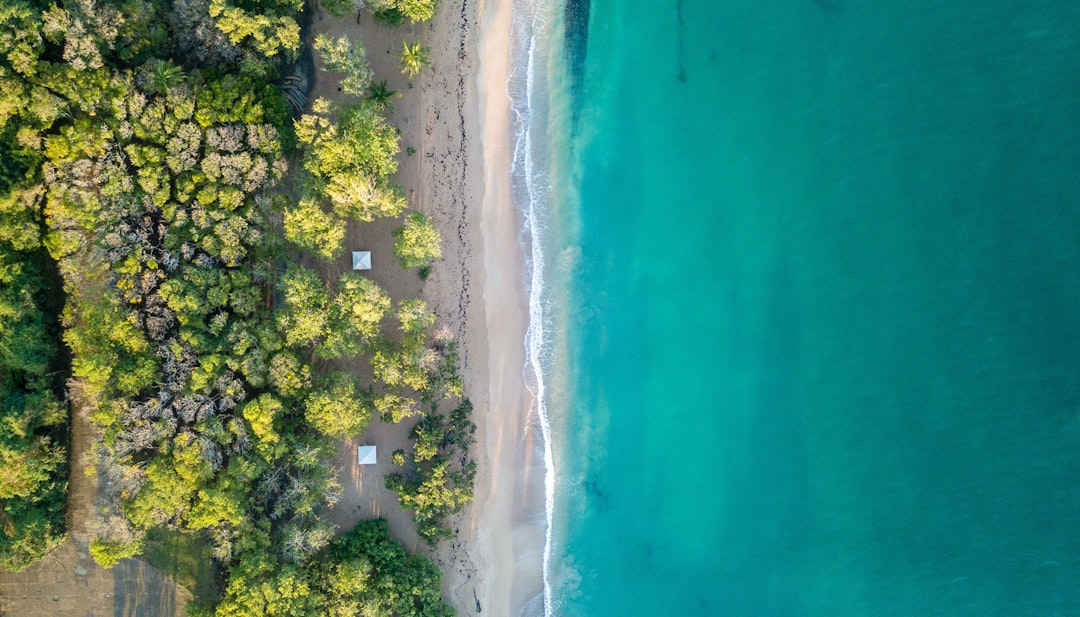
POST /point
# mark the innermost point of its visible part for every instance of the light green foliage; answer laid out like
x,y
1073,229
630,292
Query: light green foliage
x,y
20,214
336,408
413,363
395,408
224,502
416,10
339,56
266,591
172,481
262,415
306,318
288,376
28,461
414,316
20,36
414,58
269,34
344,325
417,243
350,162
309,226
108,554
358,312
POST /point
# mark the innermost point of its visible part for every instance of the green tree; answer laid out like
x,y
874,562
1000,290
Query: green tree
x,y
288,376
335,408
268,33
358,312
339,8
310,227
164,75
269,590
306,318
262,415
350,60
380,95
367,572
416,10
350,162
108,554
414,58
417,243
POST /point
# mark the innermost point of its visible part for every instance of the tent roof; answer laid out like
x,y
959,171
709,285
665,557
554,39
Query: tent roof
x,y
361,260
365,455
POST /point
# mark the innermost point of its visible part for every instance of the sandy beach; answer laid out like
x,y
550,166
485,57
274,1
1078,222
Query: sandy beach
x,y
456,118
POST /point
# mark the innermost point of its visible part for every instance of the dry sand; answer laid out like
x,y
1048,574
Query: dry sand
x,y
456,116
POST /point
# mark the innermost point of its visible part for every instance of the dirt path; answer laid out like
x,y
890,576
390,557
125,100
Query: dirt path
x,y
67,582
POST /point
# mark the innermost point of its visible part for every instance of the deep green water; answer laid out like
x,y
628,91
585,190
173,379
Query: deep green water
x,y
819,307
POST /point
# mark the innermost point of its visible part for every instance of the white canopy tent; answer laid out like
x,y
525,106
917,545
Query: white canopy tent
x,y
361,260
365,455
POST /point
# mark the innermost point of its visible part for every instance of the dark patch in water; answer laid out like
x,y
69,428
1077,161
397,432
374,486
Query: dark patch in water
x,y
682,36
829,6
596,490
577,41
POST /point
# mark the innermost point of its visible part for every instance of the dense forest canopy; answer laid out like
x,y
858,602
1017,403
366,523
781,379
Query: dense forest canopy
x,y
152,170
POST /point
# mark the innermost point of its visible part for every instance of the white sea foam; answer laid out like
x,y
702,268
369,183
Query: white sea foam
x,y
528,93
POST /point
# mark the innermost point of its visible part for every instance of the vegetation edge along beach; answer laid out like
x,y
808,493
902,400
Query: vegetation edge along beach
x,y
193,176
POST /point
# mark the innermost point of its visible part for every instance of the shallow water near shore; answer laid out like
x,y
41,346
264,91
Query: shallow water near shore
x,y
808,318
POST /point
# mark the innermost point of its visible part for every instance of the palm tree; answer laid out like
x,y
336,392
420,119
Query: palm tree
x,y
414,58
382,96
164,74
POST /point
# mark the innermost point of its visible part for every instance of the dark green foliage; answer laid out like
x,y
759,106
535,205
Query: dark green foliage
x,y
439,482
340,8
367,568
388,17
33,465
184,558
380,95
364,572
33,457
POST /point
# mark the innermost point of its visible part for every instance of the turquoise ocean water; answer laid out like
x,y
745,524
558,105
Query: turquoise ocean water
x,y
808,310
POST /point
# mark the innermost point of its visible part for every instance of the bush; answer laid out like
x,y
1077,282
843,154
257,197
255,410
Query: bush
x,y
417,243
388,17
108,554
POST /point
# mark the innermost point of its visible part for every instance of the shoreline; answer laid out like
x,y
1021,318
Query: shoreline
x,y
500,536
456,116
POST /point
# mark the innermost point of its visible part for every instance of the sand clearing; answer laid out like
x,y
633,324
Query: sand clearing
x,y
460,176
